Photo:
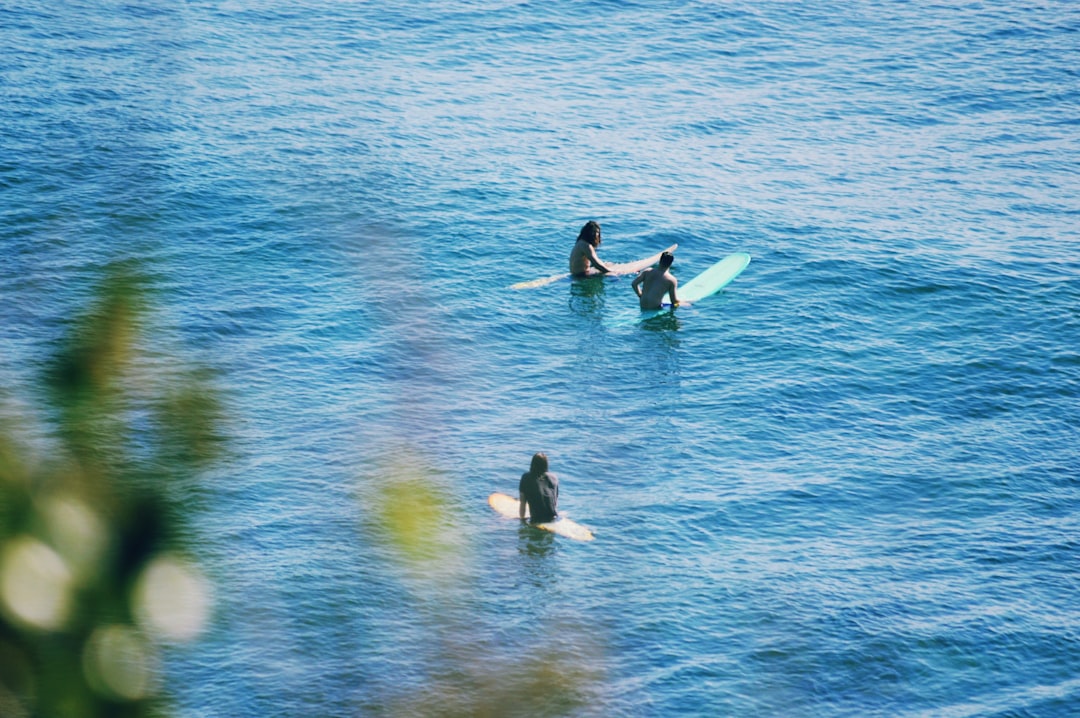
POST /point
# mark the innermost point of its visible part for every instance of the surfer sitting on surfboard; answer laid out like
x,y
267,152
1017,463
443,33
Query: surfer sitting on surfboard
x,y
583,255
657,282
539,490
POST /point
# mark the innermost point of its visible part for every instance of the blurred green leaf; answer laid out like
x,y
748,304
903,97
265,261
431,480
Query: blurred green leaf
x,y
100,516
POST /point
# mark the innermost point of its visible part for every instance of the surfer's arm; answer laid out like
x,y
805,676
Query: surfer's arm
x,y
636,284
521,506
671,293
596,260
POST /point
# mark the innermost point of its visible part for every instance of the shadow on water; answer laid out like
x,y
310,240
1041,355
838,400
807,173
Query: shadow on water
x,y
664,325
535,542
656,342
587,296
536,550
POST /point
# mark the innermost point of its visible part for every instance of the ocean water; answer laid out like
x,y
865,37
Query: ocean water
x,y
848,485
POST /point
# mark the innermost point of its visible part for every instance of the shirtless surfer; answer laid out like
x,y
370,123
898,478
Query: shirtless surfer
x,y
583,255
657,282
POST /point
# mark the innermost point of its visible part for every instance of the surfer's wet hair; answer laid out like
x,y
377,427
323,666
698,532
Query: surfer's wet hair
x,y
539,464
590,233
666,259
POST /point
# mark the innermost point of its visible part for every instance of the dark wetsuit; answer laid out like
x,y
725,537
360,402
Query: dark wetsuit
x,y
541,493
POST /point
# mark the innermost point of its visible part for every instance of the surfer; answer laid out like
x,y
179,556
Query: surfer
x,y
657,282
539,490
583,255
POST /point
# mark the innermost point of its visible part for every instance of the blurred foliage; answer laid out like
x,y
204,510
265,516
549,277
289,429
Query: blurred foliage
x,y
94,574
411,516
546,685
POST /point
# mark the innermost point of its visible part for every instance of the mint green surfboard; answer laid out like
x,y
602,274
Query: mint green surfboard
x,y
713,279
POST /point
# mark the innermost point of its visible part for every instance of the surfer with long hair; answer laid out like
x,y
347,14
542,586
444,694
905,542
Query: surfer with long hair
x,y
539,490
583,255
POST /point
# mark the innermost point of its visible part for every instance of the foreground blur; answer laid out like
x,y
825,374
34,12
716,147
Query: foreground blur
x,y
95,577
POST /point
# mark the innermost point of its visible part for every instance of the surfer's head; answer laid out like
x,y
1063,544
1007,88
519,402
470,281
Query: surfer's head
x,y
539,464
666,259
590,233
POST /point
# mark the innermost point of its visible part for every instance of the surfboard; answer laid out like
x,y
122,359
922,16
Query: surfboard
x,y
713,279
616,270
508,506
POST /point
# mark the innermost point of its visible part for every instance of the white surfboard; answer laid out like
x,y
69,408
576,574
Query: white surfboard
x,y
508,506
616,270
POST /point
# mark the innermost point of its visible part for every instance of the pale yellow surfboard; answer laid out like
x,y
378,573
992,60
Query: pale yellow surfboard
x,y
508,507
617,269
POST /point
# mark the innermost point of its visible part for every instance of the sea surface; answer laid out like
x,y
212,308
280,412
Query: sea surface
x,y
848,485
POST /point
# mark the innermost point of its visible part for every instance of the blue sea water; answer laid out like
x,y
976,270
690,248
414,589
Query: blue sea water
x,y
847,486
